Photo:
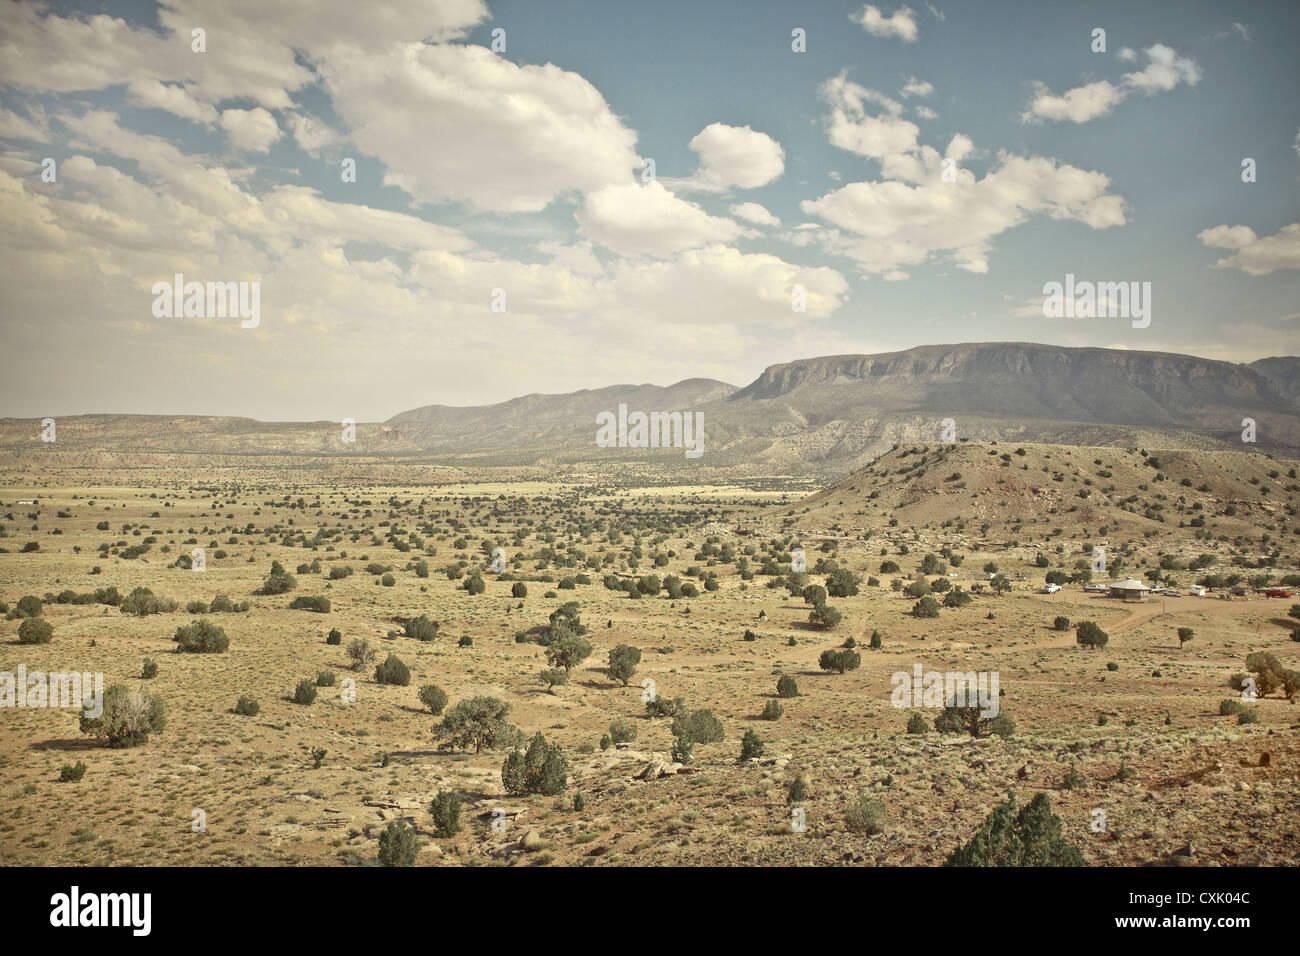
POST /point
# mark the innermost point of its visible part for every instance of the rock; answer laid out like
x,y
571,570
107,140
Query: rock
x,y
653,770
1187,850
531,842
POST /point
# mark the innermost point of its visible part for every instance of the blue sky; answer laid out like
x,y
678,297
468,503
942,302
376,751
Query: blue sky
x,y
522,171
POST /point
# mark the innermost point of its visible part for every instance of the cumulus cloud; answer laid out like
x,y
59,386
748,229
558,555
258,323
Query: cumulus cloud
x,y
522,135
637,219
755,213
1252,254
901,23
915,87
250,131
735,156
1164,71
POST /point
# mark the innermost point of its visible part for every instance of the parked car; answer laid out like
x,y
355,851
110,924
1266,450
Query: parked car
x,y
1049,589
1277,592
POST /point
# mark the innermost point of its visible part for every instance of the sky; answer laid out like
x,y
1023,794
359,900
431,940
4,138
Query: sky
x,y
458,201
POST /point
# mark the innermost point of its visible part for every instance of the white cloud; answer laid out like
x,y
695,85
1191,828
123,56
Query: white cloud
x,y
173,98
915,87
1165,70
885,226
901,23
250,131
1127,54
16,126
311,135
1078,105
636,220
1252,254
489,133
925,113
735,156
755,213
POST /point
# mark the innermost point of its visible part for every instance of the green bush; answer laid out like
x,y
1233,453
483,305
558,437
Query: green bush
x,y
542,769
149,670
477,722
623,661
445,811
786,686
320,605
334,637
772,710
246,706
422,629
1031,837
864,815
519,590
796,791
433,697
393,671
305,692
751,746
1088,634
917,724
397,845
926,607
1061,623
71,773
201,637
622,731
325,679
839,661
128,718
35,630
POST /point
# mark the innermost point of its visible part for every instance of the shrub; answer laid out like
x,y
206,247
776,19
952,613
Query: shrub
x,y
751,746
201,637
321,605
474,584
926,607
1032,837
786,686
864,815
325,679
694,727
397,845
1088,634
917,724
477,722
970,718
1248,715
246,706
128,718
796,791
35,630
149,670
393,671
305,692
445,811
71,773
28,606
542,769
553,676
622,731
772,710
519,590
279,580
335,636
623,660
875,639
839,661
1061,623
142,601
360,653
824,617
664,707
1185,634
433,697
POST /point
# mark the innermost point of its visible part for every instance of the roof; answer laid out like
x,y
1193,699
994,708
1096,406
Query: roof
x,y
1130,584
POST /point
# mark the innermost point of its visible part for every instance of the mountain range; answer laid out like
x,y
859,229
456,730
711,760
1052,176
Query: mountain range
x,y
823,416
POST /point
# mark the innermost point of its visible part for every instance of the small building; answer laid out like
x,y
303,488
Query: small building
x,y
1129,589
1196,590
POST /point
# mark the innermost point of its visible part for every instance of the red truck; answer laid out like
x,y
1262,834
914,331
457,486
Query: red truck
x,y
1277,592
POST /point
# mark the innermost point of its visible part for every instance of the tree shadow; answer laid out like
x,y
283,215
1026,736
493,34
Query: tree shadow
x,y
70,744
